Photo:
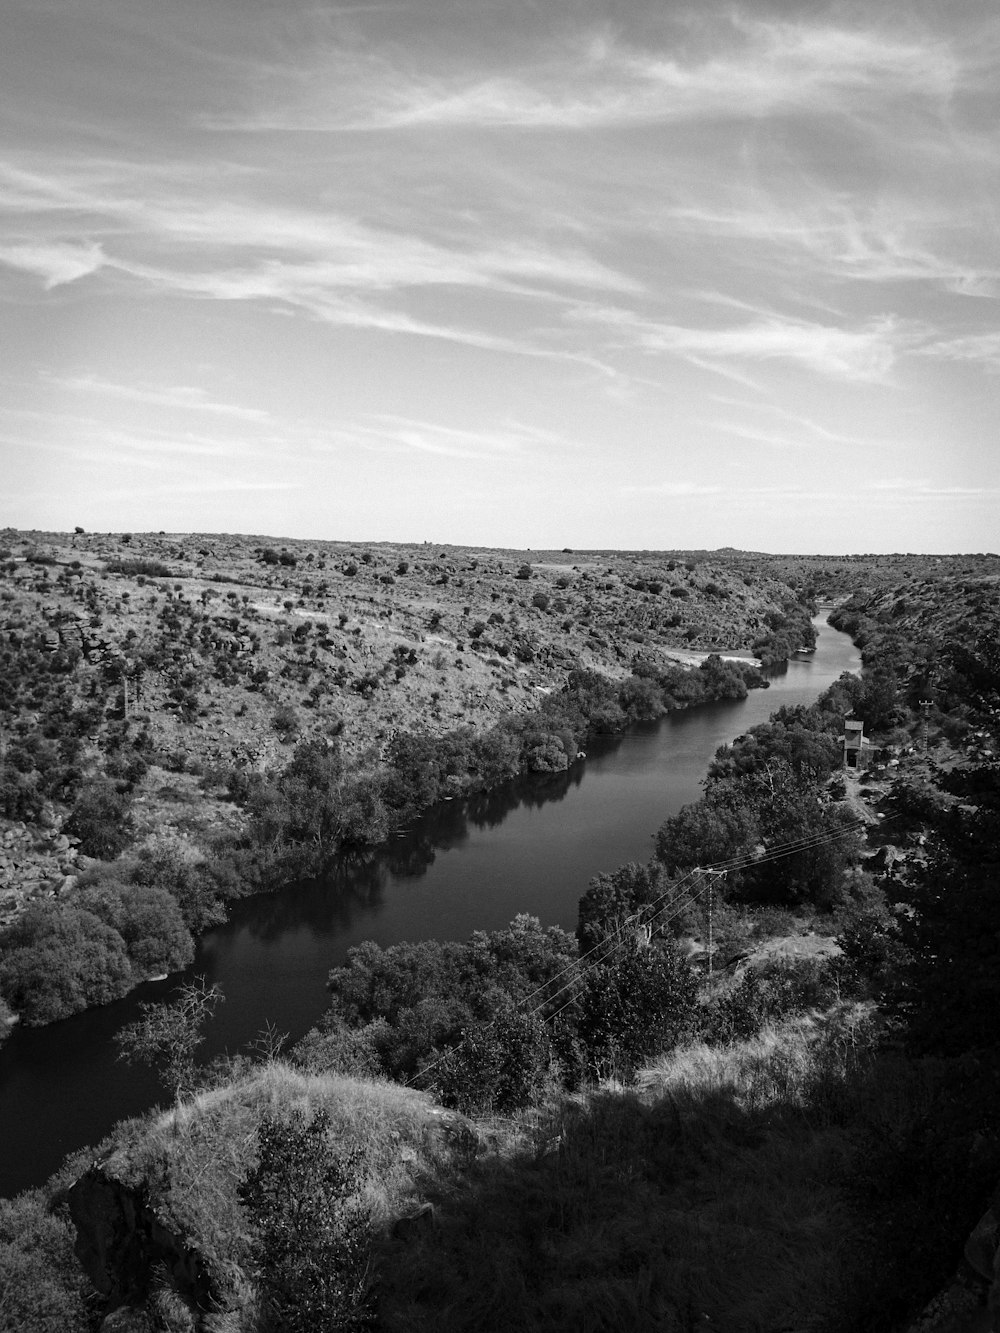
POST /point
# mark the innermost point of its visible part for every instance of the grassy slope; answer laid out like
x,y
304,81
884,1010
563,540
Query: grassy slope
x,y
707,1197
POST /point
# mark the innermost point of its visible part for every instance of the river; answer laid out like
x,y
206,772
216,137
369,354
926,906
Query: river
x,y
466,865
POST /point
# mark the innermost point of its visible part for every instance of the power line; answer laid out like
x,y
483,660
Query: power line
x,y
607,946
612,941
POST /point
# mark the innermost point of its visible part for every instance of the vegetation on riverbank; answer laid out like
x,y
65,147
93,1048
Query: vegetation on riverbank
x,y
164,759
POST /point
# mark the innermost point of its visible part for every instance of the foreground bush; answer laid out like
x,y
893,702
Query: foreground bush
x,y
310,1234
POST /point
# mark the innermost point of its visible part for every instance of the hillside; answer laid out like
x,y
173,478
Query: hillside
x,y
156,687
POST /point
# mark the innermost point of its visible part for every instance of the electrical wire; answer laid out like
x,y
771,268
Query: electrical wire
x,y
607,947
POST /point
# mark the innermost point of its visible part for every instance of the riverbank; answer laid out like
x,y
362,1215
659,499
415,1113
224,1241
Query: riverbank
x,y
528,847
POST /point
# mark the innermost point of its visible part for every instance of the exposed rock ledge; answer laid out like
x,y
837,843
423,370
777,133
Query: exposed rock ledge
x,y
123,1241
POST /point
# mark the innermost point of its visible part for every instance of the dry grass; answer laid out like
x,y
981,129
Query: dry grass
x,y
706,1197
192,1159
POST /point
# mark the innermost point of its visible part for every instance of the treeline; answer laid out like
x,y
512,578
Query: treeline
x,y
315,808
930,644
788,630
136,913
494,1024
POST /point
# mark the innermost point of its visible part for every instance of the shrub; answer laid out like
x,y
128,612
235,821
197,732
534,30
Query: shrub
x,y
311,1235
148,568
498,1067
286,720
148,920
769,992
636,1006
42,1288
101,818
57,959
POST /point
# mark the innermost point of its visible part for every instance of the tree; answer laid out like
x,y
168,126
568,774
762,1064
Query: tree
x,y
640,1003
498,1066
311,1236
612,900
149,921
101,818
952,985
57,958
168,1035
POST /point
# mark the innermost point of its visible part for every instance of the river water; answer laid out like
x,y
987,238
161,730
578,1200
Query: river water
x,y
466,865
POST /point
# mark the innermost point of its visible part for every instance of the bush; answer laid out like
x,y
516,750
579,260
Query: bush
x,y
311,1235
148,920
57,959
150,568
498,1067
101,818
286,721
42,1288
640,1004
769,992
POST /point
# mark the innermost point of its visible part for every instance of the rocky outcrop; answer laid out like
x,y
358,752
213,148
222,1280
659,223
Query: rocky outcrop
x,y
40,863
125,1239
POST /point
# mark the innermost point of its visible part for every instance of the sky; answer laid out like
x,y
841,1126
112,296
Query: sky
x,y
523,274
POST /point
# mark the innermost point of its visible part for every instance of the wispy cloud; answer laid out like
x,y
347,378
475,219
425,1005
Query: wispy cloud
x,y
180,397
908,488
55,262
976,348
673,489
762,68
263,246
864,353
159,231
103,440
757,435
804,430
503,443
735,495
878,248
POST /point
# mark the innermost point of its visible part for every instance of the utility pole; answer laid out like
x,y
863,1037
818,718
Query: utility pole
x,y
711,876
